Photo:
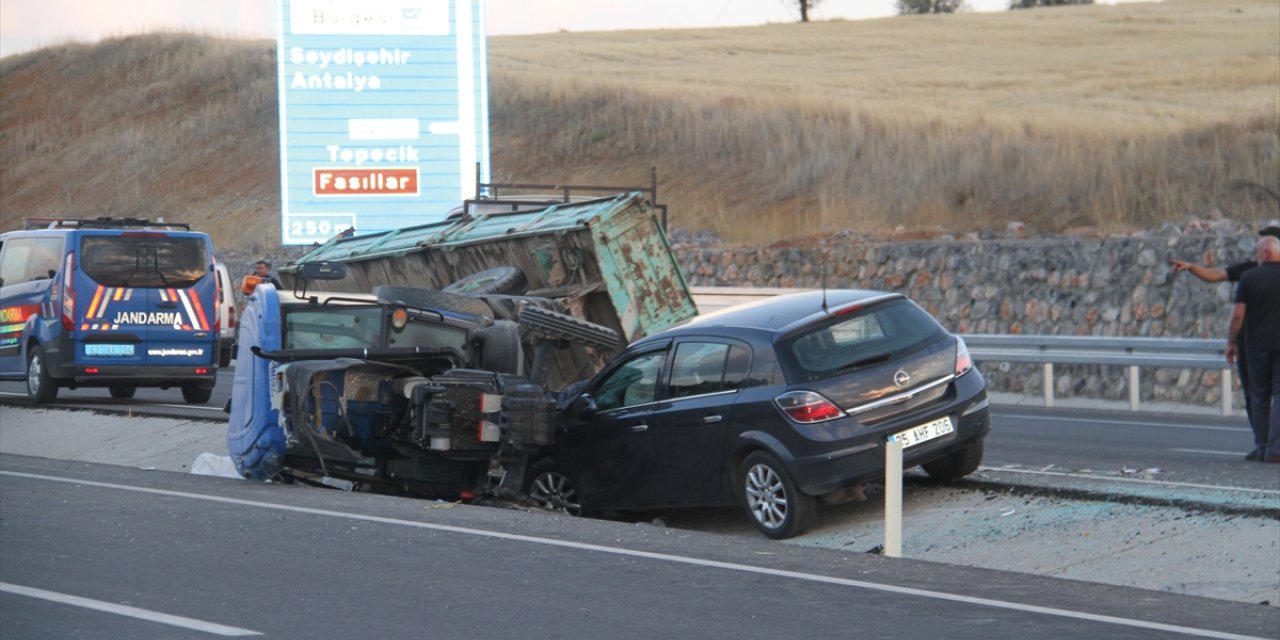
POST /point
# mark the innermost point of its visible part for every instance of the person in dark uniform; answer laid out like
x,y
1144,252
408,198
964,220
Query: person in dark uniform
x,y
263,270
1232,274
1257,315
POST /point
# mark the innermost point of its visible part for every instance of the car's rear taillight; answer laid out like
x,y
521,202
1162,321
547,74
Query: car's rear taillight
x,y
217,301
964,362
69,293
231,317
808,407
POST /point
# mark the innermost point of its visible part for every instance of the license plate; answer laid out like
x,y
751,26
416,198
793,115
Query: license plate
x,y
109,350
924,433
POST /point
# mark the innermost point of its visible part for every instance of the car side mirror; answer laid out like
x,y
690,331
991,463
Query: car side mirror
x,y
583,405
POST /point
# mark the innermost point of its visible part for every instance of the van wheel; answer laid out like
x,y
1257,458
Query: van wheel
x,y
224,356
41,387
501,280
122,391
196,393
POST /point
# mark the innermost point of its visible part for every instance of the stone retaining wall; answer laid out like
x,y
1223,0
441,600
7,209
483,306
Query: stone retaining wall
x,y
1108,286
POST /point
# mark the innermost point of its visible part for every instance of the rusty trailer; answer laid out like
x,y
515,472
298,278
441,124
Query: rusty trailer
x,y
606,260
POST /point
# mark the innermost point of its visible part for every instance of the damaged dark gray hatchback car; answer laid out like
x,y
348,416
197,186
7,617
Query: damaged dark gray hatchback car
x,y
775,405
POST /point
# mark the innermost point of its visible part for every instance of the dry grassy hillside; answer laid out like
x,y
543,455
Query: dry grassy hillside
x,y
1108,116
180,127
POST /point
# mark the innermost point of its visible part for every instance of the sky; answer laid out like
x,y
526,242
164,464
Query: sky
x,y
31,24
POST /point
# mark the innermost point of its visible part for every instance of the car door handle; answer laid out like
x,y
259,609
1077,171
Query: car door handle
x,y
637,428
167,305
712,419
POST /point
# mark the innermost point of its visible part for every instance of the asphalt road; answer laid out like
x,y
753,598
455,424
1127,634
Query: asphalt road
x,y
1177,450
147,401
1028,444
94,551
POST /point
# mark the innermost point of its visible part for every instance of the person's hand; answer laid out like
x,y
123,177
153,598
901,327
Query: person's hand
x,y
1180,265
1231,352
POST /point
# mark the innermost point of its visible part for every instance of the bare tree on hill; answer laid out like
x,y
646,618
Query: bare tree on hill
x,y
805,6
917,7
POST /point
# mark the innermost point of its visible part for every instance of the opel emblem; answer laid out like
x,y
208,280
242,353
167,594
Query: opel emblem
x,y
901,378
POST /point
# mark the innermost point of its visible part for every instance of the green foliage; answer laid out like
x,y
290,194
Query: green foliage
x,y
1032,4
914,7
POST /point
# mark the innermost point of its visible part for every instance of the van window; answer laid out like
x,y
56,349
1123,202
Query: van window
x,y
150,260
27,259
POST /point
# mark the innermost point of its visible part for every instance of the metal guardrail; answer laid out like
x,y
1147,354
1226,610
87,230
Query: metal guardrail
x,y
1134,353
1131,352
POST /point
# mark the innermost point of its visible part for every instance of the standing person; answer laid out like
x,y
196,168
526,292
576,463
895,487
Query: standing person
x,y
1219,274
1232,274
1257,314
263,270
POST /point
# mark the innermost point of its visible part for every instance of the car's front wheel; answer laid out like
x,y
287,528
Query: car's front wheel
x,y
551,489
771,499
41,387
956,465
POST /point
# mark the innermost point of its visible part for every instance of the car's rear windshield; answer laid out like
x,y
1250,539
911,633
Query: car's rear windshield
x,y
881,333
144,260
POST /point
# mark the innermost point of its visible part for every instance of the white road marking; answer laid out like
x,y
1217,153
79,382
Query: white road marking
x,y
1122,423
1210,452
1089,476
132,612
730,566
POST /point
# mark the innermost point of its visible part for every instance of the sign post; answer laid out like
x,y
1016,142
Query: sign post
x,y
383,113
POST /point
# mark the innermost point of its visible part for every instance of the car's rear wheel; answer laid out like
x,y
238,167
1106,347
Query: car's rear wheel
x,y
956,465
225,354
196,393
771,499
122,391
41,387
502,280
551,489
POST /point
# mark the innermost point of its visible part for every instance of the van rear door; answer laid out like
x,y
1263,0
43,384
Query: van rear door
x,y
148,299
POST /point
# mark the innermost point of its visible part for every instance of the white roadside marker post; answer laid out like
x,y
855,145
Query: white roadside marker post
x,y
893,498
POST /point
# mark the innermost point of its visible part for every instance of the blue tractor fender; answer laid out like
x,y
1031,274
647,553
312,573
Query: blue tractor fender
x,y
255,439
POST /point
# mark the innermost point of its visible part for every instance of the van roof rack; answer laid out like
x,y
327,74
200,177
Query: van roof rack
x,y
37,222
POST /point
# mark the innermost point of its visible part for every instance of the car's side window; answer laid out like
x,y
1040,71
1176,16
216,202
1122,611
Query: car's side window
x,y
635,382
737,366
698,368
